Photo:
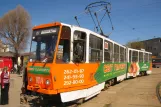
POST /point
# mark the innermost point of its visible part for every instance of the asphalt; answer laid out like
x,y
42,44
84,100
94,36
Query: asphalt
x,y
137,92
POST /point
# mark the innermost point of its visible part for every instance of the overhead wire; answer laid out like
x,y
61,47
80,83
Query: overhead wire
x,y
136,29
115,10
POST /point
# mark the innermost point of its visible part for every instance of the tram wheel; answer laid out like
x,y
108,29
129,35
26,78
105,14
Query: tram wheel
x,y
142,73
107,85
112,82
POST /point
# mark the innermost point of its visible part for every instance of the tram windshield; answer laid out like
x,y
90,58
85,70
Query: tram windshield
x,y
43,44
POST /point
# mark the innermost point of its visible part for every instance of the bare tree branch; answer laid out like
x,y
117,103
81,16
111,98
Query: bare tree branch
x,y
136,44
15,28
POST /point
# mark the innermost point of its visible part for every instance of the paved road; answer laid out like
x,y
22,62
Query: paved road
x,y
138,92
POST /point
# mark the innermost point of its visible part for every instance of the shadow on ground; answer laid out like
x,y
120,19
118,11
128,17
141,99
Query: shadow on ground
x,y
37,102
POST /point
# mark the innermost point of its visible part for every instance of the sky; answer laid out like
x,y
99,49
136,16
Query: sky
x,y
132,19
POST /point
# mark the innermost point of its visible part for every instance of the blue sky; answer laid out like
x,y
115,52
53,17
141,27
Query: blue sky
x,y
132,19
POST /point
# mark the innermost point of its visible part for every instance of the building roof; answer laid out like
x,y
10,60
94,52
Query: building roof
x,y
27,54
7,54
151,39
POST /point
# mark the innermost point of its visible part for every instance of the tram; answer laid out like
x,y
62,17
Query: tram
x,y
76,63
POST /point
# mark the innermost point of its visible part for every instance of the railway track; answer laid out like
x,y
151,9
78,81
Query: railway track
x,y
158,91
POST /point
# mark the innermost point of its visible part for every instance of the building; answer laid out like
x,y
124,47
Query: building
x,y
7,51
5,48
151,45
154,46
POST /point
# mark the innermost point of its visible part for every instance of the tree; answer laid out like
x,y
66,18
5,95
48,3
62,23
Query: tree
x,y
15,29
135,44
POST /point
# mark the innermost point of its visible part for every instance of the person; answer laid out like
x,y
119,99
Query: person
x,y
4,86
25,81
78,52
24,85
0,84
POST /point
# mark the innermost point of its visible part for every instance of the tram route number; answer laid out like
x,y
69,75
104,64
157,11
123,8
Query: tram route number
x,y
39,80
74,82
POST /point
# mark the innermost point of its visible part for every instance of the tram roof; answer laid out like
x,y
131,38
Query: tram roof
x,y
91,32
139,50
76,28
83,30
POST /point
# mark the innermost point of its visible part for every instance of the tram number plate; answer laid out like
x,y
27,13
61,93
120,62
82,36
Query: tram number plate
x,y
39,80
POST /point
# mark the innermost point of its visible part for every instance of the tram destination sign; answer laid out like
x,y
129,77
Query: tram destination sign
x,y
46,31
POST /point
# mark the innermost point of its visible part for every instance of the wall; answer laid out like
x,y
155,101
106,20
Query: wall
x,y
154,46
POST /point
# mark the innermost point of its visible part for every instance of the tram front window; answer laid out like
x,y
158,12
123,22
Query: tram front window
x,y
43,45
63,51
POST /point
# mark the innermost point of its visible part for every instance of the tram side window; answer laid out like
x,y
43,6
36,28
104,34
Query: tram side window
x,y
125,58
79,46
122,54
140,56
145,57
134,56
116,53
95,48
150,58
108,51
63,52
130,56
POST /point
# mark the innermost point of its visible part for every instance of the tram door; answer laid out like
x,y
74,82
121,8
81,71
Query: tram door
x,y
79,47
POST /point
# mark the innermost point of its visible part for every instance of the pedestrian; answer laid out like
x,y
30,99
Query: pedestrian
x,y
5,77
15,68
25,81
0,84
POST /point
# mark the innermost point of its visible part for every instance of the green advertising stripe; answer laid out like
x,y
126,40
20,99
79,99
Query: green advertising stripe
x,y
109,70
39,70
143,66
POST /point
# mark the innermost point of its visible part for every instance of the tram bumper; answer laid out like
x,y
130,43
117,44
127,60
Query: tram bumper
x,y
38,89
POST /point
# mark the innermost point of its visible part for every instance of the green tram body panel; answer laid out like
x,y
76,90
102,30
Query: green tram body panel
x,y
141,66
144,66
110,70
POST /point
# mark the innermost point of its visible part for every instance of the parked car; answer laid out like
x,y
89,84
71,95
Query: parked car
x,y
156,62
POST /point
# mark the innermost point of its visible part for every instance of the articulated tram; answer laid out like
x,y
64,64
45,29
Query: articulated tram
x,y
76,63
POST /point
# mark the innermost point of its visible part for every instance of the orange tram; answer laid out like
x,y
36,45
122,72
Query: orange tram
x,y
75,63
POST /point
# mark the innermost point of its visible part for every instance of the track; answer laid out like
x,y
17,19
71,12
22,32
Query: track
x,y
158,91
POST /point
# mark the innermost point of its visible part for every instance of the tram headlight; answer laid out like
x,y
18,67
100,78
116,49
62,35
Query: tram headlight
x,y
30,79
47,82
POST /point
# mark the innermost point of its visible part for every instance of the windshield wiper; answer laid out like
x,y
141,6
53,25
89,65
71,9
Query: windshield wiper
x,y
45,62
48,60
34,62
